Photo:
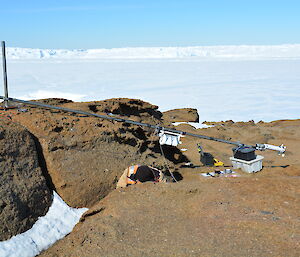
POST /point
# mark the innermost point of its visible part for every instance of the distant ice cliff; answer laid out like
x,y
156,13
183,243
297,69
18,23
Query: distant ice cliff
x,y
239,51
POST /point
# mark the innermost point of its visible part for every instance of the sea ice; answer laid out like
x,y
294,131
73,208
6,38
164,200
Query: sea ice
x,y
239,90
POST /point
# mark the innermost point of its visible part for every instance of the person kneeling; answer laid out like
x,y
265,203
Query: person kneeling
x,y
138,174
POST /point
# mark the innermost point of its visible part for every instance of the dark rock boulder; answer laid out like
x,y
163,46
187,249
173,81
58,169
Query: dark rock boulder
x,y
24,194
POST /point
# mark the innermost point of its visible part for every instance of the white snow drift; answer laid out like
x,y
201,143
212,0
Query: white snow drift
x,y
58,222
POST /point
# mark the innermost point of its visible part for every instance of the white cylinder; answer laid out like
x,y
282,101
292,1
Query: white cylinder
x,y
280,149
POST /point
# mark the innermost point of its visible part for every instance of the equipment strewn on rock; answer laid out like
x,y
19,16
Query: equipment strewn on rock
x,y
245,158
208,159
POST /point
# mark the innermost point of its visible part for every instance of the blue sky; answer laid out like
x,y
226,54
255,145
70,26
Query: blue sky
x,y
106,24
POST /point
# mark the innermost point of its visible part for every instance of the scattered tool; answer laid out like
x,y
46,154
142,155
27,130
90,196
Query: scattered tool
x,y
208,159
220,173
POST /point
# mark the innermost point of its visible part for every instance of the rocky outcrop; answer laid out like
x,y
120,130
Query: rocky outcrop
x,y
24,195
85,156
239,215
181,115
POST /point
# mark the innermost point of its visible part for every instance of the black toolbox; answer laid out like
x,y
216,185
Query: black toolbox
x,y
244,153
207,159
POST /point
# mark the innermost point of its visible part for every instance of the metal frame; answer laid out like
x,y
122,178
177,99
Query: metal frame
x,y
156,127
4,73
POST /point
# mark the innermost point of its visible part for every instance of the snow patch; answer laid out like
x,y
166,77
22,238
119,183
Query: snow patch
x,y
57,223
196,125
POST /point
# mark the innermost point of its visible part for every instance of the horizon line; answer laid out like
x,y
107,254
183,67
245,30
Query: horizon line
x,y
187,46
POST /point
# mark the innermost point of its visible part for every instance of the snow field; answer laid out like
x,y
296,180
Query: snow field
x,y
240,90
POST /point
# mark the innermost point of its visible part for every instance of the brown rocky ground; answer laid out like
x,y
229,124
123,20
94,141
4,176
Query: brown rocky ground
x,y
204,217
251,215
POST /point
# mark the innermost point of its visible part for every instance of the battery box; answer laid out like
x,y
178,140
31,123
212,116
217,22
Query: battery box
x,y
248,166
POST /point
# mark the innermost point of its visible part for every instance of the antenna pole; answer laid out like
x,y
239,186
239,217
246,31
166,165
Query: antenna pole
x,y
4,74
